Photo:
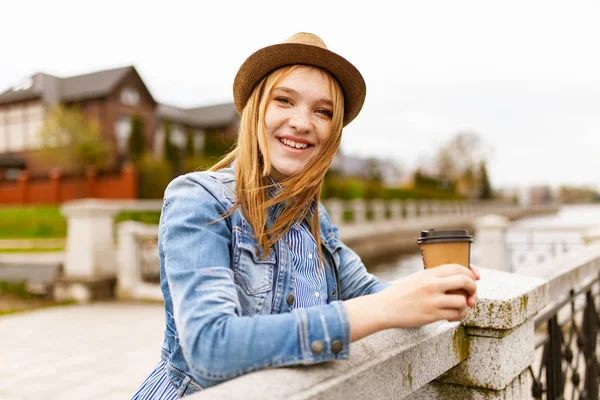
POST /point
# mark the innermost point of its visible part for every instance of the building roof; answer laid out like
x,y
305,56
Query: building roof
x,y
53,89
96,84
215,116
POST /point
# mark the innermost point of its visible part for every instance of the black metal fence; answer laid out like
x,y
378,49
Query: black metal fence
x,y
535,246
569,332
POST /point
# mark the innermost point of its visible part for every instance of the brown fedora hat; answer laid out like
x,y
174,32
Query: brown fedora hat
x,y
302,48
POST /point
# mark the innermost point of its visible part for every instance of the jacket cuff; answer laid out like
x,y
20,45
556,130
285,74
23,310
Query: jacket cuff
x,y
324,333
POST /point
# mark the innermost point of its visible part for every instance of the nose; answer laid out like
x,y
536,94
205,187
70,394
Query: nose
x,y
301,122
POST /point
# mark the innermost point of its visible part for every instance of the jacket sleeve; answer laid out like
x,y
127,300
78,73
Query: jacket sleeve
x,y
355,280
217,342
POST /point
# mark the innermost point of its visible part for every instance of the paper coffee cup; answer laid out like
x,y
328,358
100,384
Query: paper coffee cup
x,y
445,247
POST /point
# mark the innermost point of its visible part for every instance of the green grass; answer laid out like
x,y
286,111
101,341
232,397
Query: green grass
x,y
43,250
32,222
16,289
47,222
147,217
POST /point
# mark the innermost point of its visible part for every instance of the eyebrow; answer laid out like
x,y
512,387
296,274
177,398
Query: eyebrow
x,y
323,100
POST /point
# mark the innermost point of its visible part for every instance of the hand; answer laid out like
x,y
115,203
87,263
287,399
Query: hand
x,y
426,297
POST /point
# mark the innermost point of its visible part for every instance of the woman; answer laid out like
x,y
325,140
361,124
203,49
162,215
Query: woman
x,y
252,270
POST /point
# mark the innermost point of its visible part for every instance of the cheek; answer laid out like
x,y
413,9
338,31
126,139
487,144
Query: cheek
x,y
273,118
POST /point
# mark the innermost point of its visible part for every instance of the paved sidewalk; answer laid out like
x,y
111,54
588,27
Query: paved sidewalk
x,y
84,352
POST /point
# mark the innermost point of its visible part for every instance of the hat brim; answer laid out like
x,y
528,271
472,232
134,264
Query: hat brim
x,y
270,58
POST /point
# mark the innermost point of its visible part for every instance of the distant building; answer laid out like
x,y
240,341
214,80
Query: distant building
x,y
390,173
111,97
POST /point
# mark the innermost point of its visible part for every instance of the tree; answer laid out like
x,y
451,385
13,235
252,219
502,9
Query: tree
x,y
170,151
485,188
190,148
71,141
137,139
458,161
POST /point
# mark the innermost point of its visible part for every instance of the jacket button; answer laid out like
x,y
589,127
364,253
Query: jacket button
x,y
317,347
333,294
290,299
337,346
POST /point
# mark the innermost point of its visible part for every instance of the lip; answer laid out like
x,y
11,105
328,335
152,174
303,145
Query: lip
x,y
295,139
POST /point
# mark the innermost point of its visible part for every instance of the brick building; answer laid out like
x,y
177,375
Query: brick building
x,y
111,97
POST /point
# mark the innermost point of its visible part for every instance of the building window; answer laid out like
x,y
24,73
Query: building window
x,y
122,132
178,136
130,97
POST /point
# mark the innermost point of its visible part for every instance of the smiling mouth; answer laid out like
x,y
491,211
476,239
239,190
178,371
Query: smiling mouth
x,y
294,145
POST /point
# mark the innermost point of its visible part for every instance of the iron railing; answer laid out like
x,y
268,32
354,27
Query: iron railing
x,y
537,245
569,332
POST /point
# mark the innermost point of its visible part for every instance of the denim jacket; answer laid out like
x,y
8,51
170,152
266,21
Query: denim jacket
x,y
229,307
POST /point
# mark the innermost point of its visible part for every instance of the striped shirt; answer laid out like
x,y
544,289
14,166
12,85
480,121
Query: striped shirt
x,y
311,290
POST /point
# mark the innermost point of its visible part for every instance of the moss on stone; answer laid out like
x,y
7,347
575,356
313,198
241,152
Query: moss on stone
x,y
460,344
523,302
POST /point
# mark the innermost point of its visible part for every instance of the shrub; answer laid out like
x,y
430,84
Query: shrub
x,y
154,176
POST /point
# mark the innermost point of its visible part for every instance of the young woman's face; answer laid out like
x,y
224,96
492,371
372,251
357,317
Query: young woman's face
x,y
297,120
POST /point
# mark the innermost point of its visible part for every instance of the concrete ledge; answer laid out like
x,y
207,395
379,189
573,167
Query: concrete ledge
x,y
567,271
506,300
389,364
519,388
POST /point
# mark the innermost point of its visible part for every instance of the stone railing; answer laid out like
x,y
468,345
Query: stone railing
x,y
361,211
91,262
486,356
490,355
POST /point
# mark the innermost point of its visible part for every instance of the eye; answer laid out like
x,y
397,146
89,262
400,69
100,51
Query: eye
x,y
325,112
283,100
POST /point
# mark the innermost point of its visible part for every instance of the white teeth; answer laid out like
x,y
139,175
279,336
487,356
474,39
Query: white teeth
x,y
291,143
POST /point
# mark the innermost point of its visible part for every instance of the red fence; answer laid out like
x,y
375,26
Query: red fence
x,y
55,189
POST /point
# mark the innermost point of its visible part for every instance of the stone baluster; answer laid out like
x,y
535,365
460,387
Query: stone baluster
x,y
396,210
491,239
411,208
335,209
359,211
378,208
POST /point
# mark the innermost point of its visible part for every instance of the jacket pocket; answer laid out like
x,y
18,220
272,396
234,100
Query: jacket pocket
x,y
253,270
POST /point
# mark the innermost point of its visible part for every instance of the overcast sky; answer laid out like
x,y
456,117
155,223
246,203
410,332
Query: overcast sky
x,y
524,75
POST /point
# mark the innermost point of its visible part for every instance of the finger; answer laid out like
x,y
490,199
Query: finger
x,y
475,271
451,314
456,282
452,269
456,301
471,300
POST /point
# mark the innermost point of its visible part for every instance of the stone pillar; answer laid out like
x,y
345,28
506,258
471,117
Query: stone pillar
x,y
491,239
378,207
335,208
500,332
359,211
90,263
